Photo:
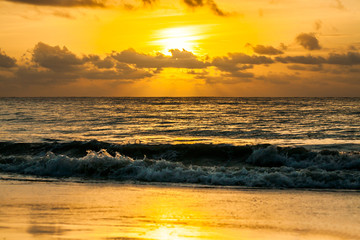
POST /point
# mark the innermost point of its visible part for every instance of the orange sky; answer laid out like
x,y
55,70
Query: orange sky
x,y
179,48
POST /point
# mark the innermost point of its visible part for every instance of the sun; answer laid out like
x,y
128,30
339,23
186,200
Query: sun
x,y
177,38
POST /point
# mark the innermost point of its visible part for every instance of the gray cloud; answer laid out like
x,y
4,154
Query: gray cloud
x,y
62,3
240,58
312,68
210,3
56,65
235,64
55,58
107,62
308,41
265,50
301,59
103,4
6,61
178,59
349,58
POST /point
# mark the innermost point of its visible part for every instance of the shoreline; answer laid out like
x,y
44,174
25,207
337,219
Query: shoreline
x,y
37,179
44,210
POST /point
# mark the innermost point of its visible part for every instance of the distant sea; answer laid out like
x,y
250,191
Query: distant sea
x,y
243,142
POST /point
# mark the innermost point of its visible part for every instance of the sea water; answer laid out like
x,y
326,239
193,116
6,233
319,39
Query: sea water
x,y
244,142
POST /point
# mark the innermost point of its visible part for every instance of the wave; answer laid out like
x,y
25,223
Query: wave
x,y
263,165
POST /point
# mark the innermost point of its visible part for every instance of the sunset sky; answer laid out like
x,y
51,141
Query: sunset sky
x,y
180,48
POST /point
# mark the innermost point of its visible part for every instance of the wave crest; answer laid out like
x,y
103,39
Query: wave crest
x,y
251,166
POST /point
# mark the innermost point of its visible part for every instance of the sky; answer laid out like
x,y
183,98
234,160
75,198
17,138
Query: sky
x,y
150,48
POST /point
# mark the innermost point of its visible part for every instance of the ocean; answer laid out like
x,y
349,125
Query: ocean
x,y
180,168
276,143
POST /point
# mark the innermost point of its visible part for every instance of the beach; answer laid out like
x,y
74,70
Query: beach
x,y
32,209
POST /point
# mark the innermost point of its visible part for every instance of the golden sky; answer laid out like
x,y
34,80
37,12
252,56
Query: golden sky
x,y
179,48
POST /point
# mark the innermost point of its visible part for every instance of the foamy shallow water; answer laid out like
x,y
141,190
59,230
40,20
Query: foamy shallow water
x,y
69,210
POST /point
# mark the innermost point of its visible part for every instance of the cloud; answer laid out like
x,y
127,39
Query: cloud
x,y
301,59
178,59
341,59
313,68
148,2
210,3
215,9
103,4
62,3
308,41
194,3
339,5
58,65
55,58
278,78
350,58
240,58
6,61
318,25
265,50
63,14
234,66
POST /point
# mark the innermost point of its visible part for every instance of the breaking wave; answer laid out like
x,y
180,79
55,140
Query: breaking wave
x,y
265,166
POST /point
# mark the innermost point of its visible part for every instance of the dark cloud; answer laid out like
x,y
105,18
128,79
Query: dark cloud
x,y
148,2
314,68
33,75
194,3
103,4
301,59
234,59
265,50
107,62
62,3
55,58
210,3
56,65
234,65
215,9
349,58
308,41
6,61
178,59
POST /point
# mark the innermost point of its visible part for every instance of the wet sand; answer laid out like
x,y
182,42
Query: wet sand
x,y
68,210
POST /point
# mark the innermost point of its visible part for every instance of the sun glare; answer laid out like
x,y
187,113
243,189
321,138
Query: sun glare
x,y
177,38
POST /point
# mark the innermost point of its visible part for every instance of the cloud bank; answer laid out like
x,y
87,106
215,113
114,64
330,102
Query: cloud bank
x,y
6,61
62,3
55,65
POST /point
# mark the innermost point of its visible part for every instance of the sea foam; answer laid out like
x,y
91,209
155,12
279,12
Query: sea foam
x,y
249,166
